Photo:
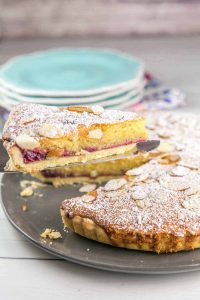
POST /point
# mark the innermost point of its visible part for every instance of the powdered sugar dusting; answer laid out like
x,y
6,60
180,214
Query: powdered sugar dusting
x,y
168,199
29,118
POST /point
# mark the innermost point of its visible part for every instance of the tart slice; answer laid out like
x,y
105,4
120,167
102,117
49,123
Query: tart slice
x,y
155,208
90,173
38,137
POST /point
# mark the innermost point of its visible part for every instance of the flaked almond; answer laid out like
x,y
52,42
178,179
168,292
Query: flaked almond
x,y
138,194
27,120
27,192
79,109
97,109
165,147
169,158
192,203
193,190
87,188
27,142
50,131
141,178
151,126
115,184
174,183
189,166
135,171
162,133
140,203
179,171
88,198
96,134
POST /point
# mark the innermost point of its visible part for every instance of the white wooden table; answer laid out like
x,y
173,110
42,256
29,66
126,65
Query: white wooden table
x,y
27,272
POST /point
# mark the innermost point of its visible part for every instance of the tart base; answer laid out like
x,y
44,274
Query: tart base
x,y
85,174
159,243
52,162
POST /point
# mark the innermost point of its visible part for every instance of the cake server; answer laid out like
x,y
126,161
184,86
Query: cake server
x,y
141,147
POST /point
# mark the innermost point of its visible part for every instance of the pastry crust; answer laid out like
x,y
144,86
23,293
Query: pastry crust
x,y
160,242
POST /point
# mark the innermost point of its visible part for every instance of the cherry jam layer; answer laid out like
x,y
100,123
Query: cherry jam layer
x,y
59,174
30,156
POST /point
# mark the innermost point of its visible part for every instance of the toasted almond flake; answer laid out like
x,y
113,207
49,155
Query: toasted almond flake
x,y
141,178
51,234
138,194
169,158
174,183
179,147
25,120
27,142
50,131
189,166
96,134
115,184
88,198
97,109
163,133
135,171
151,126
179,171
165,147
87,188
192,203
140,203
93,174
27,192
78,109
194,189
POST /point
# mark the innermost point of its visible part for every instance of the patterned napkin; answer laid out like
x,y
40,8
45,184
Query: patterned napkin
x,y
158,96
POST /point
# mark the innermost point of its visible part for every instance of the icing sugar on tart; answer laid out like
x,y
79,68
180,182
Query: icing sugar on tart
x,y
158,207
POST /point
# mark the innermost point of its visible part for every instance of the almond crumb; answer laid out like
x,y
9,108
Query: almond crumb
x,y
51,234
27,192
24,207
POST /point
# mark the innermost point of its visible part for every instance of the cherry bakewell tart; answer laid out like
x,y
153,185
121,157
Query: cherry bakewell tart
x,y
37,137
154,207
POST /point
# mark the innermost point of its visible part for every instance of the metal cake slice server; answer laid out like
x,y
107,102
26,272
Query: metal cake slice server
x,y
141,146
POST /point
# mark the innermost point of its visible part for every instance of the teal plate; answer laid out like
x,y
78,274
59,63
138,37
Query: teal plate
x,y
71,72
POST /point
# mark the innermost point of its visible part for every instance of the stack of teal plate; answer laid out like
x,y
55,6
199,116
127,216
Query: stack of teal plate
x,y
73,77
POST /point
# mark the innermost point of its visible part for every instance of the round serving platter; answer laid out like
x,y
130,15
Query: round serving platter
x,y
43,212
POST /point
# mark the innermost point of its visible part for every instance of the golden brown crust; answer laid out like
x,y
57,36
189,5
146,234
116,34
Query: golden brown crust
x,y
160,242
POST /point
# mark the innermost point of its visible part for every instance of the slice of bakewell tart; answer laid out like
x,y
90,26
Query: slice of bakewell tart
x,y
38,137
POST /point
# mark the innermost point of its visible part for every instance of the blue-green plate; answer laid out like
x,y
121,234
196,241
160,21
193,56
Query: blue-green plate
x,y
71,72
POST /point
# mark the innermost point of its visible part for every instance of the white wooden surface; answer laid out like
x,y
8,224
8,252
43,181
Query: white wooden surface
x,y
27,272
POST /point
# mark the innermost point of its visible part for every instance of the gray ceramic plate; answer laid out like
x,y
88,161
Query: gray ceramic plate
x,y
44,212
